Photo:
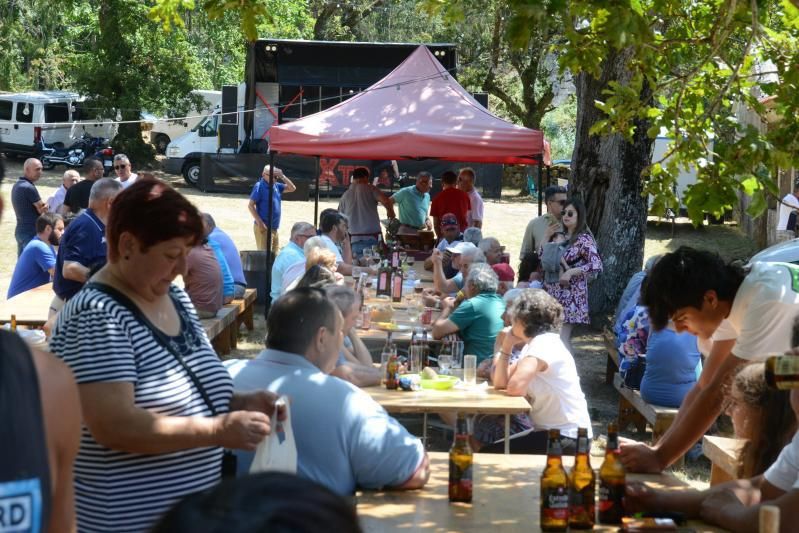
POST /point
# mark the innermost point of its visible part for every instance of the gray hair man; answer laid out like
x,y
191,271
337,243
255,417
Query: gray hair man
x,y
290,262
492,249
83,246
55,204
464,254
337,426
124,171
413,204
478,318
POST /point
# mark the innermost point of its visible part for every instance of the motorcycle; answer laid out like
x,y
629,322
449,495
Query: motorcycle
x,y
75,155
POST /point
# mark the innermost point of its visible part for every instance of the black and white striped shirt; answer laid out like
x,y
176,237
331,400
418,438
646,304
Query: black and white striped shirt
x,y
103,342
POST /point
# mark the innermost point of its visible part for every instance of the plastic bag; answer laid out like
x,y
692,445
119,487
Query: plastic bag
x,y
278,451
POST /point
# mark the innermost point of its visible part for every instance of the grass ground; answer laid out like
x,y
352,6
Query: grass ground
x,y
505,219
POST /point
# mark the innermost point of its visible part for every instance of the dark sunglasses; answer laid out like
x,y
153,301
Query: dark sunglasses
x,y
119,167
570,213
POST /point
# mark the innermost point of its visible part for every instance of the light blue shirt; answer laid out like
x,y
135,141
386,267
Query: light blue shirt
x,y
227,277
289,255
413,206
344,438
231,254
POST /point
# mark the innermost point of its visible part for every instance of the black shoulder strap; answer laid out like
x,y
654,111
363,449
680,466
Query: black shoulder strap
x,y
159,335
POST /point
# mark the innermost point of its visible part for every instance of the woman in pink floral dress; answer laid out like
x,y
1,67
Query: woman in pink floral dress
x,y
583,261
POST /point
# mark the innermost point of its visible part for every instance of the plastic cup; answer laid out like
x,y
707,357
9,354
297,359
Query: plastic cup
x,y
470,369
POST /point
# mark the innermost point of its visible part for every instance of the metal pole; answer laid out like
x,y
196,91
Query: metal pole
x,y
316,196
549,176
269,235
540,188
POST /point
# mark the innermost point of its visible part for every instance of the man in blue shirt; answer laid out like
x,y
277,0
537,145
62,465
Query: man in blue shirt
x,y
259,206
230,252
413,204
27,203
291,254
37,262
83,245
344,438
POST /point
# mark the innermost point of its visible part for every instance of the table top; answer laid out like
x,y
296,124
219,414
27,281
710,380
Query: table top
x,y
31,307
506,498
488,401
401,318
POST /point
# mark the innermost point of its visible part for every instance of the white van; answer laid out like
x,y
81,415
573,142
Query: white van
x,y
165,130
57,117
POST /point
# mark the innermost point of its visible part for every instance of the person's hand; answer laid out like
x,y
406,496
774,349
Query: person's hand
x,y
447,303
242,430
484,369
263,401
566,278
429,300
718,504
278,173
550,231
639,457
436,257
509,340
261,225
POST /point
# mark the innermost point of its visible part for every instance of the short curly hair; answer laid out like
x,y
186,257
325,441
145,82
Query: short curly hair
x,y
537,311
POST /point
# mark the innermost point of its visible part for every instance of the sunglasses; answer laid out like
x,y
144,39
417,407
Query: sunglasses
x,y
119,167
570,213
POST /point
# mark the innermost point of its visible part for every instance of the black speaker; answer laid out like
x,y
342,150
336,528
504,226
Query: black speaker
x,y
229,136
482,99
230,104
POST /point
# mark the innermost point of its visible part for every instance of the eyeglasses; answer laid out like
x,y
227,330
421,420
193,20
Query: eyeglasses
x,y
119,167
569,213
308,236
561,202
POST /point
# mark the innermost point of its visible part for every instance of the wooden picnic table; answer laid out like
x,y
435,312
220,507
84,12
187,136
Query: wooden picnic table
x,y
506,498
475,401
30,307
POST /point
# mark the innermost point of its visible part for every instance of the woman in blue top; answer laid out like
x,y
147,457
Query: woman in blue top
x,y
673,365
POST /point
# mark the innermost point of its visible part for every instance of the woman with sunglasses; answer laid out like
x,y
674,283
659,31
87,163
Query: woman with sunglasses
x,y
582,258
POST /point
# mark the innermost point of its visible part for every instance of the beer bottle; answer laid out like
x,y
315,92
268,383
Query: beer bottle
x,y
392,372
554,488
460,464
581,485
782,372
611,482
13,322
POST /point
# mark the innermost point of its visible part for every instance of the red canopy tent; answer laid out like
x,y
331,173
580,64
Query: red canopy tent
x,y
418,111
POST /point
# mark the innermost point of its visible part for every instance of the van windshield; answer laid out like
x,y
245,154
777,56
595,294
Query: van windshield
x,y
207,127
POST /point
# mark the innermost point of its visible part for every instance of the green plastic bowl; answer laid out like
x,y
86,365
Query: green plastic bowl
x,y
440,383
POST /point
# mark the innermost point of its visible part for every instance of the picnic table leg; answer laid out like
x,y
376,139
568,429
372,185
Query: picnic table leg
x,y
507,434
424,429
246,317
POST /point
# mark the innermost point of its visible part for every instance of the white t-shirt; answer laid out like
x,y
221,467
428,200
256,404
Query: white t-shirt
x,y
330,245
128,182
764,310
476,211
784,473
785,210
556,399
724,332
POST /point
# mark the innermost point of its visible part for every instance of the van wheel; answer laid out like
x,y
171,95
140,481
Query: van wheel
x,y
161,142
191,172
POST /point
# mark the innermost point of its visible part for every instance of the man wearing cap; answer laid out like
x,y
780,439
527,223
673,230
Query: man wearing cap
x,y
533,239
450,201
412,204
463,255
451,236
505,275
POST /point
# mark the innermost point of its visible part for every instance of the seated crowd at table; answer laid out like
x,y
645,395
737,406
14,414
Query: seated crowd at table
x,y
134,414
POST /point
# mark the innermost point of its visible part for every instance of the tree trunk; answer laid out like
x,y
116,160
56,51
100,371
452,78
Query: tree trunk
x,y
606,174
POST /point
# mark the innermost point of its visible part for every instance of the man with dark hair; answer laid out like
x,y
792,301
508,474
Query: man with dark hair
x,y
747,316
534,235
83,244
77,196
450,200
27,203
334,229
36,265
413,203
344,438
359,205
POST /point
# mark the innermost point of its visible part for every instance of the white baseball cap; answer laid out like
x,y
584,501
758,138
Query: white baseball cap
x,y
461,247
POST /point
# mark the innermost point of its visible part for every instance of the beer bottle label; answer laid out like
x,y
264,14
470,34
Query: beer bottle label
x,y
460,481
556,504
610,502
787,365
581,505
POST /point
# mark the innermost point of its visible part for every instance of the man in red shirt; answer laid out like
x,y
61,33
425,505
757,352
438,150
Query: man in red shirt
x,y
449,200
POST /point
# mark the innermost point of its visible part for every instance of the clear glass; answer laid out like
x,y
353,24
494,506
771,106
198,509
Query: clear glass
x,y
403,256
444,363
470,369
415,309
415,358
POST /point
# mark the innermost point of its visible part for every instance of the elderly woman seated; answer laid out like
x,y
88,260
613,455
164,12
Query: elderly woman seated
x,y
354,362
546,374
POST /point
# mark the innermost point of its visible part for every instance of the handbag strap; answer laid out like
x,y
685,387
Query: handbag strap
x,y
159,335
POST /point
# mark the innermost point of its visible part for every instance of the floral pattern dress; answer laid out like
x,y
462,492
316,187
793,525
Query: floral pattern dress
x,y
582,254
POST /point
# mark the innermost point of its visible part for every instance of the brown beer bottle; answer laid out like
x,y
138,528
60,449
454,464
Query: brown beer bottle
x,y
392,372
554,488
782,372
612,481
13,322
460,464
582,482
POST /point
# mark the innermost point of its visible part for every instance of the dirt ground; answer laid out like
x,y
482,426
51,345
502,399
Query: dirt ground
x,y
505,219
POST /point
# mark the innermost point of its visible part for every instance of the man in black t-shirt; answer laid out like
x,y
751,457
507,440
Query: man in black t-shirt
x,y
77,196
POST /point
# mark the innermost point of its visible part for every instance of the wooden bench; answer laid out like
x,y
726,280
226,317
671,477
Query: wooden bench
x,y
244,306
221,329
612,367
726,457
634,410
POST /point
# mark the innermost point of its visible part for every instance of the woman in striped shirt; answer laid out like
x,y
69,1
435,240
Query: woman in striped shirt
x,y
158,406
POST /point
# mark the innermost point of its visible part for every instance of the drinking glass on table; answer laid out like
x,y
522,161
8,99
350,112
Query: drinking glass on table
x,y
415,354
367,256
415,309
444,363
403,256
456,349
411,260
470,369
